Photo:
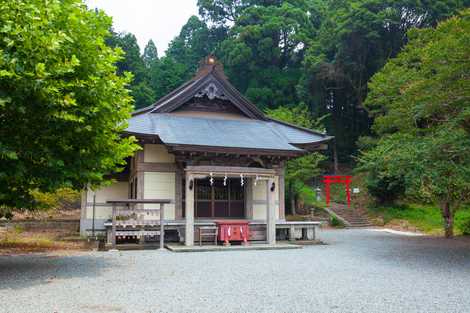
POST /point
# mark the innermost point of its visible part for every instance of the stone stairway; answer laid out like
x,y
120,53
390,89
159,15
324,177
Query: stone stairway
x,y
350,216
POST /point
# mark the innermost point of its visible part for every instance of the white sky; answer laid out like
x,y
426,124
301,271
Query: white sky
x,y
159,20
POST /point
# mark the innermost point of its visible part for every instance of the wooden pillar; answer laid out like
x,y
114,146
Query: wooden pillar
x,y
282,194
162,226
140,189
348,191
113,227
178,193
270,212
249,198
189,226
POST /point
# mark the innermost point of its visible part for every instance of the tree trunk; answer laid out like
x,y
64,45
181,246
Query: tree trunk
x,y
448,215
292,199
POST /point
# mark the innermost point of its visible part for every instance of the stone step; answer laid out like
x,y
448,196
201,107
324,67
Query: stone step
x,y
355,217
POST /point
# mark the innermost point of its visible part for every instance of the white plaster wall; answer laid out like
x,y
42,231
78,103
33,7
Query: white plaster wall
x,y
160,186
118,190
157,154
259,199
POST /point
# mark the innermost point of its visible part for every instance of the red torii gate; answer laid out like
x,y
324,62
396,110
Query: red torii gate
x,y
337,179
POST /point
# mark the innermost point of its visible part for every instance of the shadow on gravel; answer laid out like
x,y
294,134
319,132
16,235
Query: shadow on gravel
x,y
23,271
398,250
426,251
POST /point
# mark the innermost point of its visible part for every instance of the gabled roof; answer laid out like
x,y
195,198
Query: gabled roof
x,y
213,132
210,75
253,132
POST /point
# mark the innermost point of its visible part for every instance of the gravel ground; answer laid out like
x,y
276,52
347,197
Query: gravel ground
x,y
358,271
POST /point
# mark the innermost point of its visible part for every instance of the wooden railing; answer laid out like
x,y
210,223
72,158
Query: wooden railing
x,y
130,208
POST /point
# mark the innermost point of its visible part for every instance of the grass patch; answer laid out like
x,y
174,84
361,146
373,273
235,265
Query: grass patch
x,y
13,241
16,239
426,218
336,222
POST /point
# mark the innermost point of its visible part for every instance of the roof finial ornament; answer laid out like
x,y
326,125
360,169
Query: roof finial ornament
x,y
209,64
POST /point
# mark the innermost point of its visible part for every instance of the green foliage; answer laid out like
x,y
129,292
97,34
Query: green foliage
x,y
306,167
352,41
264,49
384,188
136,65
307,195
6,212
426,218
62,105
166,75
335,222
62,198
150,55
464,226
299,170
421,103
194,42
319,52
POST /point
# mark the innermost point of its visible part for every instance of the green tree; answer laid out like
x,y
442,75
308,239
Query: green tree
x,y
150,55
133,63
264,50
62,105
421,104
223,12
352,41
166,75
300,170
194,42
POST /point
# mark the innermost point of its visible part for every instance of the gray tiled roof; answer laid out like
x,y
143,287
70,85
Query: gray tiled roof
x,y
202,131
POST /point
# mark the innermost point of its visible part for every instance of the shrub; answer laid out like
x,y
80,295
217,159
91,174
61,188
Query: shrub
x,y
5,212
385,189
335,222
462,220
465,227
63,198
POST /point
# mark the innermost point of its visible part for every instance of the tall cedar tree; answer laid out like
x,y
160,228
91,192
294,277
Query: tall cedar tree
x,y
133,63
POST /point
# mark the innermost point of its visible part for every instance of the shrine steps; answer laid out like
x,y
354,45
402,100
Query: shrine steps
x,y
352,218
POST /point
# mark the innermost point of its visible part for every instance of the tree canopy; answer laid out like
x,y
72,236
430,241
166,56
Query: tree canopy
x,y
421,104
62,104
321,53
302,169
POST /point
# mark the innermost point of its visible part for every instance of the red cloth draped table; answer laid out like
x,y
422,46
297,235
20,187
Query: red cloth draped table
x,y
231,230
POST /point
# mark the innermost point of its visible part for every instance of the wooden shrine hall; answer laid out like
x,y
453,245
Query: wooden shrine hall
x,y
214,156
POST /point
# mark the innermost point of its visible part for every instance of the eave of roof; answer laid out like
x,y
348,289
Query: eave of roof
x,y
222,134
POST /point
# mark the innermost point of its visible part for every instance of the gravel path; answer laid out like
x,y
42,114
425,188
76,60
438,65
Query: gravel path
x,y
358,271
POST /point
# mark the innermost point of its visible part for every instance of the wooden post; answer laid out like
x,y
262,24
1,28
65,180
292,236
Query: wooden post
x,y
162,227
93,217
113,232
189,211
271,214
327,191
249,198
282,194
178,193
